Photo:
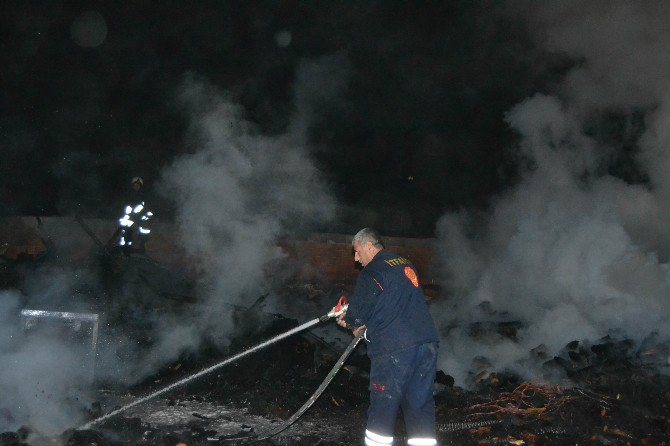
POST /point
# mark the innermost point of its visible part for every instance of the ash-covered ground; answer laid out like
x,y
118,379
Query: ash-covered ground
x,y
616,399
609,392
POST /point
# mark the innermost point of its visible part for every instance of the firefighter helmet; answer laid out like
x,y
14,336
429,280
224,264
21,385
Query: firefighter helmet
x,y
137,180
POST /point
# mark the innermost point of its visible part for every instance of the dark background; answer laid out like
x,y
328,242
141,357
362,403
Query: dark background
x,y
422,131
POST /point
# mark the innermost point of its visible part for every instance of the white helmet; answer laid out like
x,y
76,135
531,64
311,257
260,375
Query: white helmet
x,y
137,180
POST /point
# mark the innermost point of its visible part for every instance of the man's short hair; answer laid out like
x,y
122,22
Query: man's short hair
x,y
368,235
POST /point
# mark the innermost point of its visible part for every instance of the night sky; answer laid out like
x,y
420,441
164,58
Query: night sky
x,y
87,97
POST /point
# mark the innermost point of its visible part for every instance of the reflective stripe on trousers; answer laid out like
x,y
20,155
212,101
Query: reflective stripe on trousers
x,y
421,442
404,379
373,439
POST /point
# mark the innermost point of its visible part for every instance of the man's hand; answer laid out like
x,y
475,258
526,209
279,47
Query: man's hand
x,y
340,320
343,324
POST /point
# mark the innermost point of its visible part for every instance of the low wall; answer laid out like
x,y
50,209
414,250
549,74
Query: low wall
x,y
319,257
332,256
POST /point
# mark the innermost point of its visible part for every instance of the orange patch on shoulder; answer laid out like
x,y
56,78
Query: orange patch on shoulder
x,y
411,275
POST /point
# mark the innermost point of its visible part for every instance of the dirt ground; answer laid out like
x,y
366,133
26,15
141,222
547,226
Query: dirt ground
x,y
612,403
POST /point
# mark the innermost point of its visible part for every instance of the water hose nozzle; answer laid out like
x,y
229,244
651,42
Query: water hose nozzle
x,y
338,309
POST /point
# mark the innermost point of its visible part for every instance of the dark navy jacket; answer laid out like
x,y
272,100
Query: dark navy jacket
x,y
389,301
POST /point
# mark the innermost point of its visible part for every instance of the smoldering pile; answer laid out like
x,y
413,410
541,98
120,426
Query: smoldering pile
x,y
609,392
234,404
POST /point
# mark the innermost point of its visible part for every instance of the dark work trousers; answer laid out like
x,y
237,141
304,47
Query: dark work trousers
x,y
403,379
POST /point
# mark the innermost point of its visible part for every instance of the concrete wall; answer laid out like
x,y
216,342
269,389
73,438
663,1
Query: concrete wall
x,y
318,257
331,256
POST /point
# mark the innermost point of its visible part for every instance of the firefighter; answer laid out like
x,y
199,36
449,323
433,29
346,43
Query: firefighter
x,y
133,231
389,304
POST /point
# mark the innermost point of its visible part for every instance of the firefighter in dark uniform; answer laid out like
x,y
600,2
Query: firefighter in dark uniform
x,y
389,304
133,231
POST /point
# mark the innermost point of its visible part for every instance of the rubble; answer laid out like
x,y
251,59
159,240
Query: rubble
x,y
606,392
612,401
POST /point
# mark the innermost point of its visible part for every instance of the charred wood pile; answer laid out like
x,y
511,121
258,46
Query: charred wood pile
x,y
615,399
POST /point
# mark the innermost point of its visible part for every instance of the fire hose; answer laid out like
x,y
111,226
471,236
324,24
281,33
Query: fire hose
x,y
318,391
340,308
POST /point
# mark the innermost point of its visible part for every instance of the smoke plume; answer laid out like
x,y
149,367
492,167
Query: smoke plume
x,y
45,373
236,193
576,250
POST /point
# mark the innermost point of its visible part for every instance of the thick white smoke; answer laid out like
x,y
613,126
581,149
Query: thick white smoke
x,y
44,376
571,251
236,193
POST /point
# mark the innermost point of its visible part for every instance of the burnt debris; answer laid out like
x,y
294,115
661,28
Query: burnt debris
x,y
608,399
611,391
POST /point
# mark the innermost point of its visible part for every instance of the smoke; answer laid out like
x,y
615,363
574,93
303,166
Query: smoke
x,y
44,376
572,251
319,85
236,192
619,49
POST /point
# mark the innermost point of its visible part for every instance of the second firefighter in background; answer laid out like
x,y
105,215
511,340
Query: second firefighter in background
x,y
133,227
